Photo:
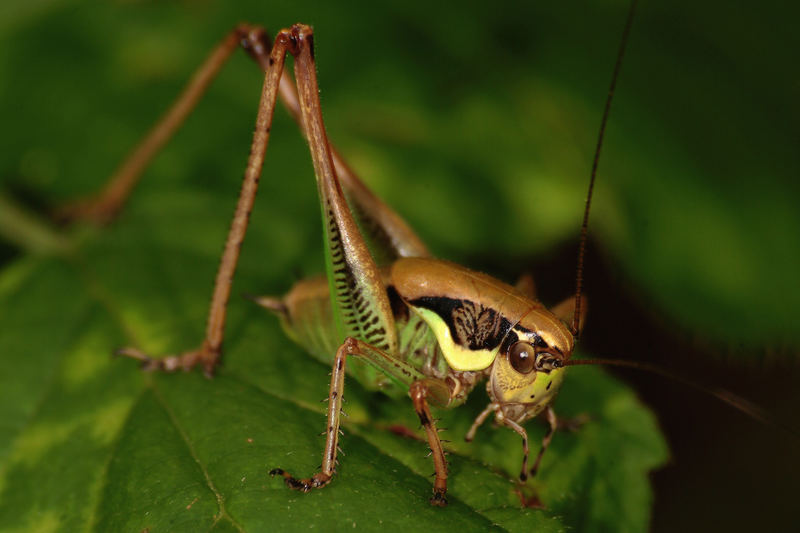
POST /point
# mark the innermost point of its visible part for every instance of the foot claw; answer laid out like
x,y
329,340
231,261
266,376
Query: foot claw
x,y
529,501
304,485
439,498
204,357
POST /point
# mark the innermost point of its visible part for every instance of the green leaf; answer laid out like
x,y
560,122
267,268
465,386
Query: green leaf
x,y
490,120
183,453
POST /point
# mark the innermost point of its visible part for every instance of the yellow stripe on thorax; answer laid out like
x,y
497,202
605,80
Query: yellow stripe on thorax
x,y
457,356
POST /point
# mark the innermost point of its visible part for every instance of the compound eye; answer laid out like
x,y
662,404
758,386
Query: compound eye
x,y
522,357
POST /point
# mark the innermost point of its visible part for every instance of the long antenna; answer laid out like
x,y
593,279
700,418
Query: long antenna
x,y
585,226
737,402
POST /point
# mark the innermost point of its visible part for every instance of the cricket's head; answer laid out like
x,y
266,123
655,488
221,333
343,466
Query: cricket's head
x,y
529,368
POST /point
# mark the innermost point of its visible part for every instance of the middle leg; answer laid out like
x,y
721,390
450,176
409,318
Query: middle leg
x,y
421,390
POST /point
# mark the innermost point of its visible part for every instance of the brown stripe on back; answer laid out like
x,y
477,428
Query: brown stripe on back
x,y
416,278
422,279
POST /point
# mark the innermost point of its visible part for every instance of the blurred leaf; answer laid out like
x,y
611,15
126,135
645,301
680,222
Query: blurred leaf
x,y
697,180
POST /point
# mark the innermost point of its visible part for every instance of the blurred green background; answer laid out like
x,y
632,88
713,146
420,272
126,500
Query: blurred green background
x,y
478,124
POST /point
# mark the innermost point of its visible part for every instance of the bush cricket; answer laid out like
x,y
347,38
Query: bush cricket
x,y
415,314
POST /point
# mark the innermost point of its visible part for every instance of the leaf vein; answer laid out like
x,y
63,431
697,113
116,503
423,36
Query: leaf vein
x,y
223,513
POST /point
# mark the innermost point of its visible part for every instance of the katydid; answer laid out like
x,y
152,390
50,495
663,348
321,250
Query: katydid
x,y
427,326
430,326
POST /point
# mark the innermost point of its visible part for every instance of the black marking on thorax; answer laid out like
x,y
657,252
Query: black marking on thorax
x,y
472,325
399,307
